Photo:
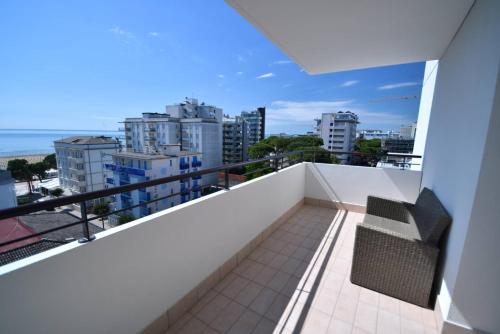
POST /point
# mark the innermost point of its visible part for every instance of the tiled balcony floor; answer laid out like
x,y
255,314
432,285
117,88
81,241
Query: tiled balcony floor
x,y
297,281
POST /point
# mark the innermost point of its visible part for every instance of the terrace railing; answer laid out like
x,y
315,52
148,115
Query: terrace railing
x,y
271,163
261,166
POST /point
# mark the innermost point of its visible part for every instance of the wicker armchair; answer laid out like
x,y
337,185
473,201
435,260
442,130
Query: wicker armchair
x,y
397,247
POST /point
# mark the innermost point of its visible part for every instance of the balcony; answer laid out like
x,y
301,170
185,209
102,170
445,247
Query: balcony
x,y
282,265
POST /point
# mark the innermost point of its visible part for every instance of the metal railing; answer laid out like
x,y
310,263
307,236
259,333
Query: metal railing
x,y
262,166
275,163
384,157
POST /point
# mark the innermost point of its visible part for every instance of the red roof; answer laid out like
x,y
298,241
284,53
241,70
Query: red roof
x,y
12,228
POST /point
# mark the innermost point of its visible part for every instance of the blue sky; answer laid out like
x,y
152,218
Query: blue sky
x,y
89,64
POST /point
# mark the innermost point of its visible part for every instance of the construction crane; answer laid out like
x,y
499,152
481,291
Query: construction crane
x,y
393,98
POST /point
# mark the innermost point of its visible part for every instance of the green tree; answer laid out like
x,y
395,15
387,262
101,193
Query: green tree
x,y
39,169
370,152
299,143
50,161
260,150
101,209
318,154
125,218
310,145
56,192
279,144
19,168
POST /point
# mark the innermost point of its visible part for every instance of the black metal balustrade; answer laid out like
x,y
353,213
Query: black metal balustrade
x,y
275,163
265,165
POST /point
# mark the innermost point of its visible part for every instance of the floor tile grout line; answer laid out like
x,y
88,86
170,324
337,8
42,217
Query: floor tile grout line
x,y
193,315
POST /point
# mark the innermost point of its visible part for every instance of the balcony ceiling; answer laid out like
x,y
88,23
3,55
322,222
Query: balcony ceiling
x,y
336,35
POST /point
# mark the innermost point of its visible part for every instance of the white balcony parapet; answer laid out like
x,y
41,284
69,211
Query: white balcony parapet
x,y
131,275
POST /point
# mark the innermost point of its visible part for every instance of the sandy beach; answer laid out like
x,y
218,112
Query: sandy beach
x,y
31,159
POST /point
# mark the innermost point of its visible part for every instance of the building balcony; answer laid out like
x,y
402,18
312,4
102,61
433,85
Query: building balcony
x,y
75,159
77,171
281,266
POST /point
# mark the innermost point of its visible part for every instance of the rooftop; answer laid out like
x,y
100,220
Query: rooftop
x,y
87,140
45,220
25,251
159,156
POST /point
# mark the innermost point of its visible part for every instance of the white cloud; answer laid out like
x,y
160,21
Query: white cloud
x,y
349,83
239,73
282,62
240,58
119,31
220,76
266,75
281,116
154,34
287,85
296,111
399,85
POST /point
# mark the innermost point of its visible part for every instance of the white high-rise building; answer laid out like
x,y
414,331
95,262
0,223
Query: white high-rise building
x,y
81,159
408,131
195,126
338,131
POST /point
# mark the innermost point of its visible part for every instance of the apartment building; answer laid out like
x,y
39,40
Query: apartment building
x,y
81,159
235,136
197,127
134,167
338,131
256,120
408,131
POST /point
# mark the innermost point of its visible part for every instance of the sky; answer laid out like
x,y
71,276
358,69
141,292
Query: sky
x,y
89,64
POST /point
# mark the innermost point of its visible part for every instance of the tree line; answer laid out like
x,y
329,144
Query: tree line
x,y
22,170
310,146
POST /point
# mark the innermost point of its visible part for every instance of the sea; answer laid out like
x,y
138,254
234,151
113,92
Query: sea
x,y
17,142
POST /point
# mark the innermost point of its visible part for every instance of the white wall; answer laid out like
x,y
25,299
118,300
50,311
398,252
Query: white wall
x,y
477,294
424,111
459,154
129,275
352,184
